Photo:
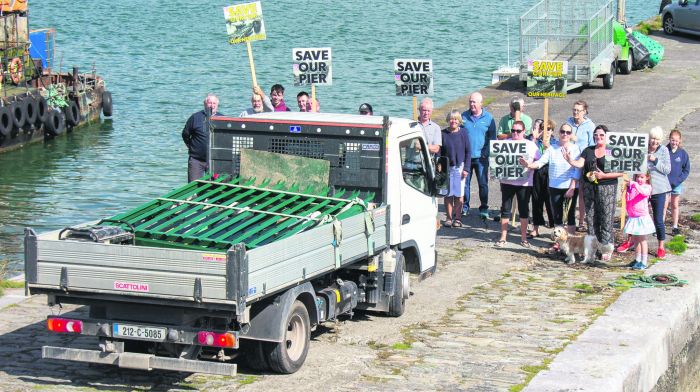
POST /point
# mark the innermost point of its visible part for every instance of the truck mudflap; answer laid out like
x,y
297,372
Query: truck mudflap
x,y
138,361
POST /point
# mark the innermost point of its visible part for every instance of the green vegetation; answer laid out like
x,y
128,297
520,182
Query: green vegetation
x,y
649,25
695,218
248,380
530,373
677,245
584,288
7,284
401,346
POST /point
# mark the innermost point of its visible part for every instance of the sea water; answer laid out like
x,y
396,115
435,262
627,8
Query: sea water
x,y
160,58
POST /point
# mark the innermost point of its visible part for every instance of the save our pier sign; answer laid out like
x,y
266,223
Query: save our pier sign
x,y
244,23
503,159
547,79
413,77
312,66
628,152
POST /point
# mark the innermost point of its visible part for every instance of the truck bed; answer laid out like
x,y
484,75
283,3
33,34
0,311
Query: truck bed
x,y
154,268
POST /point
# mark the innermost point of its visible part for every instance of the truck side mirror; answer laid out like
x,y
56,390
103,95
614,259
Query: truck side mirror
x,y
441,179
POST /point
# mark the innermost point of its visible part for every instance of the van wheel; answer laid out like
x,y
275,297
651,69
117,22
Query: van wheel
x,y
669,28
397,306
609,79
287,356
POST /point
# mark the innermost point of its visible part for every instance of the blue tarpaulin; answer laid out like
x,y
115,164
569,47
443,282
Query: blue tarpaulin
x,y
42,47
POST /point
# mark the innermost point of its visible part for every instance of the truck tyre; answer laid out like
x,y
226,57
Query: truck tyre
x,y
669,27
287,356
627,66
107,103
72,113
397,305
609,79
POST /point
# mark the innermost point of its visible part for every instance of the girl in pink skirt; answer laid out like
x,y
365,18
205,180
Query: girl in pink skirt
x,y
639,224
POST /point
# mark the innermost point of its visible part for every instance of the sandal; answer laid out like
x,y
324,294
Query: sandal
x,y
500,243
447,223
457,223
525,244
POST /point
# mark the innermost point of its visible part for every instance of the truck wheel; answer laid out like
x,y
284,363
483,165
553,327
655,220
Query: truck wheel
x,y
287,356
627,66
609,79
398,301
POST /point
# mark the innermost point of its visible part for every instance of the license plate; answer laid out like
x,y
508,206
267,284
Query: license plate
x,y
138,332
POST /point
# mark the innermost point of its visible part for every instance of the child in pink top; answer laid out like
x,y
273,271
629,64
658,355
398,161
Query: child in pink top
x,y
639,224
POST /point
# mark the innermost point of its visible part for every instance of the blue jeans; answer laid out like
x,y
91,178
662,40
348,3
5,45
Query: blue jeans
x,y
657,208
481,167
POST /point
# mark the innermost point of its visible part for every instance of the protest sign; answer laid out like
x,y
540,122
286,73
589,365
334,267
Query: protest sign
x,y
413,77
547,79
503,159
312,66
628,152
244,23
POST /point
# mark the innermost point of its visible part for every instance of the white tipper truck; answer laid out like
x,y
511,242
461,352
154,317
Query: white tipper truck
x,y
158,296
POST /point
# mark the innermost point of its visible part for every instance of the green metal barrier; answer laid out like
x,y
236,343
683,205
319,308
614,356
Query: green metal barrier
x,y
213,214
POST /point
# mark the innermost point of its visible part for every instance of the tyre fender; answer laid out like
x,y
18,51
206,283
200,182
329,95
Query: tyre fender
x,y
42,110
72,114
266,317
6,123
19,113
55,123
31,106
107,103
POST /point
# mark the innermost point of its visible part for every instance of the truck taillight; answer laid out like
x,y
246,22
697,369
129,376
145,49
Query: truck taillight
x,y
226,340
63,325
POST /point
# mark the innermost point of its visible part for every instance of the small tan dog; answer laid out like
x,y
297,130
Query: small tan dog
x,y
571,245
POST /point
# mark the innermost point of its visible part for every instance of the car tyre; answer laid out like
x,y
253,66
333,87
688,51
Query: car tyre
x,y
669,27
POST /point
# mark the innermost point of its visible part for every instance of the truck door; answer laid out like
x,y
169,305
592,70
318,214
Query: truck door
x,y
418,207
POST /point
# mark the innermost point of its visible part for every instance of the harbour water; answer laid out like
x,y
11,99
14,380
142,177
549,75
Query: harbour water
x,y
161,58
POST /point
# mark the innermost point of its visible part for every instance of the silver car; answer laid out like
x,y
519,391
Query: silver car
x,y
682,17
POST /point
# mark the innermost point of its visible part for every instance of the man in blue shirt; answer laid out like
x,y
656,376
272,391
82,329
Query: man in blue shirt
x,y
481,129
195,134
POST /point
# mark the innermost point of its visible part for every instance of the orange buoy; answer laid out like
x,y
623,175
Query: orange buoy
x,y
15,70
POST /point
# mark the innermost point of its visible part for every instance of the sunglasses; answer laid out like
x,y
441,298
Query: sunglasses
x,y
517,130
565,132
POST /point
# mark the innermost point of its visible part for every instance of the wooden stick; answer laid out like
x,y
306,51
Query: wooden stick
x,y
513,210
252,63
546,136
415,107
623,213
313,97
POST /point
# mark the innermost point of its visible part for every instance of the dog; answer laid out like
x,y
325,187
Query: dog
x,y
571,245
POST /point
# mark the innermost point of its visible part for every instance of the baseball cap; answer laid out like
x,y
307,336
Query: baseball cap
x,y
365,108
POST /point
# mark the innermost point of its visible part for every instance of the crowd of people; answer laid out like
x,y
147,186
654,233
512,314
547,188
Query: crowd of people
x,y
565,168
572,168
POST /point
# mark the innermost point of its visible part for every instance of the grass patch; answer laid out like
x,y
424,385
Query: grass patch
x,y
530,373
12,284
584,288
677,245
650,25
401,346
376,346
695,218
560,321
248,380
598,311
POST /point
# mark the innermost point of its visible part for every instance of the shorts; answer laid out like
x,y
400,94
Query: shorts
x,y
677,190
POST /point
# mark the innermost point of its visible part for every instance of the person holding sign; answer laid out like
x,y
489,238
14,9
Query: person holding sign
x,y
540,186
277,98
599,187
259,103
583,136
520,188
456,147
562,178
680,169
517,108
659,165
639,224
305,104
431,131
